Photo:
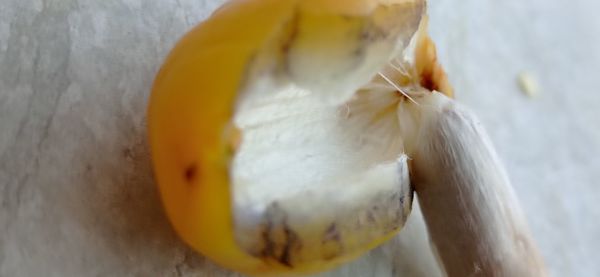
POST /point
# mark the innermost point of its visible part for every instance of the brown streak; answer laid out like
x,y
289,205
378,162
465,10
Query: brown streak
x,y
290,241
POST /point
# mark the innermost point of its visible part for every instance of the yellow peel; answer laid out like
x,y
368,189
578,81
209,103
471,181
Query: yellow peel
x,y
190,107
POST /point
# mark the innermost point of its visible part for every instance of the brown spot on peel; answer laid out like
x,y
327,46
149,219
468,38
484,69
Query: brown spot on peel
x,y
190,173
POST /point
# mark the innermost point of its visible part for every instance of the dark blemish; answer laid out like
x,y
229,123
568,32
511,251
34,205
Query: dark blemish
x,y
405,204
428,82
411,195
294,30
294,25
190,173
398,211
402,213
366,36
290,241
269,249
88,167
127,153
402,95
394,228
332,234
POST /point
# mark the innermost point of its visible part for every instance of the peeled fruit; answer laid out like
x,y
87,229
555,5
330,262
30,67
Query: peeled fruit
x,y
278,130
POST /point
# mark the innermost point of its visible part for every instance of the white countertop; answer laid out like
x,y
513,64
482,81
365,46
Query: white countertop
x,y
77,196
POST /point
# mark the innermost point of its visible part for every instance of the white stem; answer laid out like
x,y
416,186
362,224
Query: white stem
x,y
471,212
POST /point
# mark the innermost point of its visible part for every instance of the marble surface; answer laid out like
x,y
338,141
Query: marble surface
x,y
77,196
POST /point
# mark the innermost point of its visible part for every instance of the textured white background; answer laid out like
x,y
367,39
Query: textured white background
x,y
76,191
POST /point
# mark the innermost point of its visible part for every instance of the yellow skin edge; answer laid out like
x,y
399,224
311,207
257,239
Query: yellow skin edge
x,y
191,104
189,117
429,71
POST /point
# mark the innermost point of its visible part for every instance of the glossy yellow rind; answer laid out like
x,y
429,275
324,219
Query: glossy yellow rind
x,y
190,107
190,133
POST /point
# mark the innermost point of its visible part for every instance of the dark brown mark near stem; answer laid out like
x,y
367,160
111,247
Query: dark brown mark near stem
x,y
427,80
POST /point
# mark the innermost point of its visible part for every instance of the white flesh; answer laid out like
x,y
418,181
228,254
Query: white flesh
x,y
319,170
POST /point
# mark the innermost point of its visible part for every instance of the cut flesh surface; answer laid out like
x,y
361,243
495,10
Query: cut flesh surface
x,y
314,180
321,173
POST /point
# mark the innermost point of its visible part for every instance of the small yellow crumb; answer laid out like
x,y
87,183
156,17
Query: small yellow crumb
x,y
528,84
